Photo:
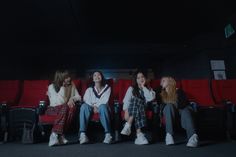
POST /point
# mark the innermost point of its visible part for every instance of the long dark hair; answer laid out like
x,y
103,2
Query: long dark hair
x,y
59,78
136,88
103,82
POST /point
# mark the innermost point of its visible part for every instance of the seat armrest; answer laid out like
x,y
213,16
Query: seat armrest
x,y
3,108
116,106
194,106
230,106
42,107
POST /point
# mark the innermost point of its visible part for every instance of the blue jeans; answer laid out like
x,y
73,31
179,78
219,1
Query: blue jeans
x,y
85,113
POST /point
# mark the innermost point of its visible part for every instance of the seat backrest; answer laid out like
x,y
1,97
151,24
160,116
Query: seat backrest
x,y
115,90
33,92
78,85
110,82
224,90
198,91
178,84
9,91
155,84
123,85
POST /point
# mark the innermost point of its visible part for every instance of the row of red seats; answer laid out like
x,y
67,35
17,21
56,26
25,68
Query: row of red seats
x,y
29,92
19,95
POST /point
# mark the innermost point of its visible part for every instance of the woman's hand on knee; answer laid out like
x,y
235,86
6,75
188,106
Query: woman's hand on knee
x,y
71,103
95,109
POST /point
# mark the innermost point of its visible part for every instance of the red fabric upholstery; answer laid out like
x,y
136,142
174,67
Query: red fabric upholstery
x,y
155,84
9,91
178,84
84,86
198,91
78,85
110,82
95,117
33,92
115,91
224,90
123,86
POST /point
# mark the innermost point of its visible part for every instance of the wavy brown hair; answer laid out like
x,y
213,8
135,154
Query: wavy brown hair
x,y
59,78
169,95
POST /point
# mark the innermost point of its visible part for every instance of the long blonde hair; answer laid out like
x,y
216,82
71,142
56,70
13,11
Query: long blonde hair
x,y
168,94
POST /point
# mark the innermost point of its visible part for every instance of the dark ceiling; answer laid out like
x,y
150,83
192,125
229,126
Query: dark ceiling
x,y
72,22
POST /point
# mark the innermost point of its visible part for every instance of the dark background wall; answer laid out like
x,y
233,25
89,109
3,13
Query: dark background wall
x,y
178,64
175,38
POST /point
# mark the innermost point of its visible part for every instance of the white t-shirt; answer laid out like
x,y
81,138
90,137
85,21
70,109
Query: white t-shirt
x,y
59,98
149,95
93,98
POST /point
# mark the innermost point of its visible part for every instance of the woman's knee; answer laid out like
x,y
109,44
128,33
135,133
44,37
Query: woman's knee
x,y
72,109
103,107
65,107
168,108
84,107
186,112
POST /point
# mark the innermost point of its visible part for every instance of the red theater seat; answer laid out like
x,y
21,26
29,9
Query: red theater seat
x,y
155,84
199,91
78,85
224,90
210,116
33,92
24,113
178,84
9,95
122,87
9,91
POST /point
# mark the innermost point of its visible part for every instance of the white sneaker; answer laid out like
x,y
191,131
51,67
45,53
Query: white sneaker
x,y
83,138
126,130
107,139
63,140
193,141
53,140
141,139
169,139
